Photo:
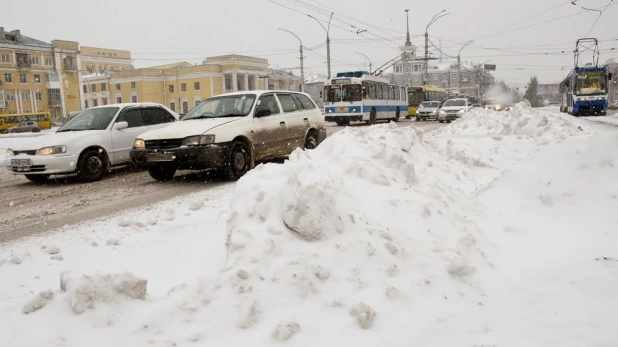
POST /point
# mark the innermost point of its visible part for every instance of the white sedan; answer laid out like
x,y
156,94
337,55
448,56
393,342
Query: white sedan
x,y
88,144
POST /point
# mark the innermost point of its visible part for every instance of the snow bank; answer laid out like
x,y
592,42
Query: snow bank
x,y
543,126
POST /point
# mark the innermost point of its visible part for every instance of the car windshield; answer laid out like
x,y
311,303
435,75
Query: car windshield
x,y
591,82
91,119
429,104
448,103
351,92
224,106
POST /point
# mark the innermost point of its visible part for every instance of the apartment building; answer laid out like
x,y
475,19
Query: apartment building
x,y
180,86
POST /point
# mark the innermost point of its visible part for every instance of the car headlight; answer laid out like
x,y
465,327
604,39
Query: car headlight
x,y
461,111
442,113
198,140
9,152
139,143
52,150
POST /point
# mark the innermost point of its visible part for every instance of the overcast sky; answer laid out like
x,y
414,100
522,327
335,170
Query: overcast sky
x,y
509,32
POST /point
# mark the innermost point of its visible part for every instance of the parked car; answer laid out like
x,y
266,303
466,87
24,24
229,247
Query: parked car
x,y
25,127
453,109
428,110
613,106
497,107
230,132
88,144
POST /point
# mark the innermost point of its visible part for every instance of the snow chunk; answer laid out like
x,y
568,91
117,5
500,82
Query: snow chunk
x,y
38,302
113,242
196,205
364,315
15,260
86,289
285,332
56,257
53,250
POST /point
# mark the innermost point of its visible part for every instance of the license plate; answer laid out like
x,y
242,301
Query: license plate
x,y
150,157
341,109
21,162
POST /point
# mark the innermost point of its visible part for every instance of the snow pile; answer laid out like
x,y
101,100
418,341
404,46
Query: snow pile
x,y
543,127
86,289
344,237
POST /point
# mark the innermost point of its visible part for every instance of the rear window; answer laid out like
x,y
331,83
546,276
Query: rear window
x,y
304,101
287,103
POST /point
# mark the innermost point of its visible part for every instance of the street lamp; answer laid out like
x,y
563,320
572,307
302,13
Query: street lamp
x,y
367,59
459,60
302,70
433,20
327,38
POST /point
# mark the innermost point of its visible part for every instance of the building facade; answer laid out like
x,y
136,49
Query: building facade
x,y
613,83
100,60
467,78
283,80
180,86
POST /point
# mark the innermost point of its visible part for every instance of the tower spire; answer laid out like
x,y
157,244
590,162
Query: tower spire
x,y
408,42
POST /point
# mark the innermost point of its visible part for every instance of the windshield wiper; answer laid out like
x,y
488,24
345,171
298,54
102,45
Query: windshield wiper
x,y
63,130
222,116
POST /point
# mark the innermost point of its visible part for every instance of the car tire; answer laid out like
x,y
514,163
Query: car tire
x,y
92,166
36,130
397,114
311,140
238,161
441,120
162,173
37,178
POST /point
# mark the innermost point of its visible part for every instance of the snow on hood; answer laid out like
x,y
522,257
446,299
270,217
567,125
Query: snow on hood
x,y
545,127
53,139
184,128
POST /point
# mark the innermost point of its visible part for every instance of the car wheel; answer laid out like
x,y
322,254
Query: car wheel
x,y
36,130
92,166
238,161
441,120
162,173
397,114
37,178
311,141
418,119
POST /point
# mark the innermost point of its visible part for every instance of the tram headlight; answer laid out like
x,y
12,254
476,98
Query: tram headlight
x,y
581,99
601,98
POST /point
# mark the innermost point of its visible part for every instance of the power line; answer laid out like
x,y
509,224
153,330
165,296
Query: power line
x,y
600,14
532,16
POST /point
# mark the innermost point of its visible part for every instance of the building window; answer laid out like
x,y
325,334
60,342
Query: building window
x,y
10,96
119,99
22,78
132,85
103,87
25,96
38,96
104,101
34,60
48,61
173,106
95,103
117,86
416,68
8,78
90,68
196,85
183,87
93,88
85,89
197,102
85,103
6,58
133,98
171,88
37,79
185,106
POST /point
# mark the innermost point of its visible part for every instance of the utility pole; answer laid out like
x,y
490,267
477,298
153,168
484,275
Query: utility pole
x,y
459,61
327,38
433,20
367,59
302,58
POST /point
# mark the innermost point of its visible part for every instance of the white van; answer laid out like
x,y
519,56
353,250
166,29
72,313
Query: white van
x,y
231,132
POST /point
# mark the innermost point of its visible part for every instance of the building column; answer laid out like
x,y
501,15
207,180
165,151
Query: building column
x,y
18,100
223,78
266,83
234,82
32,102
256,81
246,81
212,90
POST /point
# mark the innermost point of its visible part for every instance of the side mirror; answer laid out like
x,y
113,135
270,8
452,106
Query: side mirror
x,y
121,125
262,113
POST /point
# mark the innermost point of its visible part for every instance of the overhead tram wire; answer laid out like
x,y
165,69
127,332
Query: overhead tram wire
x,y
532,16
599,17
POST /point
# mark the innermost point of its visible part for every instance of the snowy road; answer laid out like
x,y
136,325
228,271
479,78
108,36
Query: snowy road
x,y
27,208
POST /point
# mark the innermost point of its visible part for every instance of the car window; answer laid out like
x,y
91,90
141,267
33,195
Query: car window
x,y
156,115
268,102
287,103
133,116
305,101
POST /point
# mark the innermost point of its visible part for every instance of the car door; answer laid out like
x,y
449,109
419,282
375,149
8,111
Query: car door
x,y
296,121
269,127
156,117
122,140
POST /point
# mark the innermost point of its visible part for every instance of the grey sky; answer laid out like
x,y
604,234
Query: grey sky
x,y
193,29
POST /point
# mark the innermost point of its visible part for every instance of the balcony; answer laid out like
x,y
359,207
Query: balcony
x,y
23,61
69,64
53,81
53,97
